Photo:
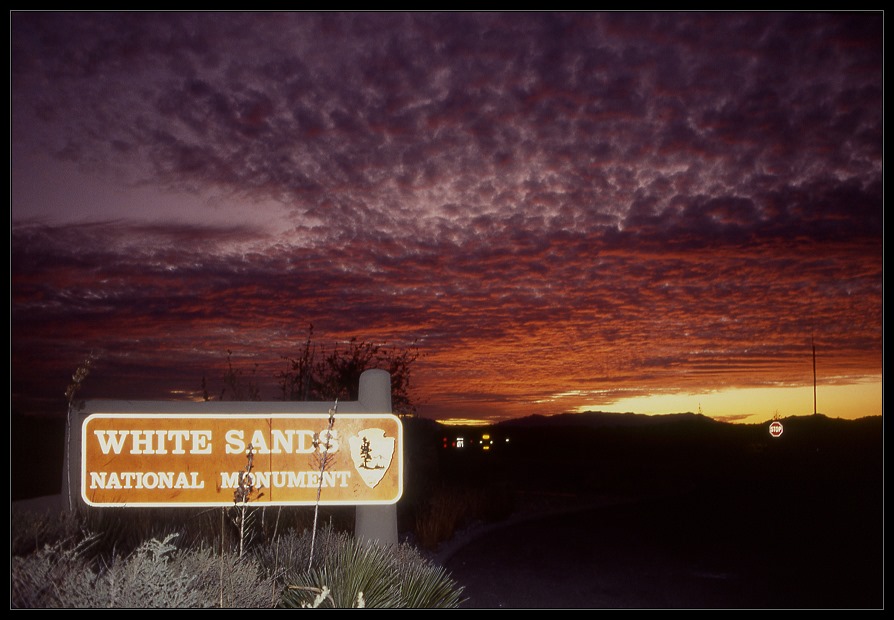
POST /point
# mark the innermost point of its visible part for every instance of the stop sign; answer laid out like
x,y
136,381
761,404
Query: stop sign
x,y
776,428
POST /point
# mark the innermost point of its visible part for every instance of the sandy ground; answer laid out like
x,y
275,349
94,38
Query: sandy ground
x,y
716,551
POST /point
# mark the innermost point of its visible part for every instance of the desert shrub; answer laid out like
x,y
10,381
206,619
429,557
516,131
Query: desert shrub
x,y
31,531
451,508
288,555
119,530
85,571
122,530
423,584
42,578
155,575
353,573
446,511
349,572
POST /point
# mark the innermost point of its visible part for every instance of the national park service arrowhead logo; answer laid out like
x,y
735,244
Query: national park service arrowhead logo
x,y
372,452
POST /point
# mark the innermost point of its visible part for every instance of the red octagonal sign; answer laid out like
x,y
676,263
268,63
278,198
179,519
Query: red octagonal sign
x,y
776,428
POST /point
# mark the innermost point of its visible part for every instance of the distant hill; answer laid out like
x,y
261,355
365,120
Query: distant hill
x,y
601,419
596,453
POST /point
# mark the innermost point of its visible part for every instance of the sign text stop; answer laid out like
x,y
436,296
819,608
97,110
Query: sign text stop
x,y
776,428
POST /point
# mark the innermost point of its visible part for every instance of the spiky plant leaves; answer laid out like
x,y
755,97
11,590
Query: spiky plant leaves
x,y
424,585
393,576
351,569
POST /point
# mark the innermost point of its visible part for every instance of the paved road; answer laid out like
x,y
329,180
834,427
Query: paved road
x,y
719,551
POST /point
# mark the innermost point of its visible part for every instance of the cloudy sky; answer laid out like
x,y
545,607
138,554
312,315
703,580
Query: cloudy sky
x,y
564,211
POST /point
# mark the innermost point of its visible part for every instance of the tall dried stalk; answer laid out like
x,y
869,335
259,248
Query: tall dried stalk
x,y
326,446
222,522
244,493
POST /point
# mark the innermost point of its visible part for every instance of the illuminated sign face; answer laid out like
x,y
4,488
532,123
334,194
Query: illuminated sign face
x,y
262,459
776,428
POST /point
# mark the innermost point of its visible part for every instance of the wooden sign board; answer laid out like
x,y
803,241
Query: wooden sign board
x,y
220,460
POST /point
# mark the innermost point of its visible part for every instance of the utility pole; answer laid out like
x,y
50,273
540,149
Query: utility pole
x,y
813,346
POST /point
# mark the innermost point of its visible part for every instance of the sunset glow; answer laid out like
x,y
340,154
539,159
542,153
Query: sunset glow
x,y
646,212
757,405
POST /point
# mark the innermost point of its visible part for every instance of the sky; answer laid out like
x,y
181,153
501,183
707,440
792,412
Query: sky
x,y
643,212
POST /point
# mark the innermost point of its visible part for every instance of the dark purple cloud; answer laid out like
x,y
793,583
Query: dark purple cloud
x,y
545,202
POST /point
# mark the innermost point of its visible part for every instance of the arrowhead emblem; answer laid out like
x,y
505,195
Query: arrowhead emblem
x,y
371,452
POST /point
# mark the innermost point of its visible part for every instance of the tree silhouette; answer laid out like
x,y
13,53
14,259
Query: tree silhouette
x,y
297,382
318,374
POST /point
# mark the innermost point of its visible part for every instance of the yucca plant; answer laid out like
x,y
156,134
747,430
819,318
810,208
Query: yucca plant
x,y
354,571
423,584
350,571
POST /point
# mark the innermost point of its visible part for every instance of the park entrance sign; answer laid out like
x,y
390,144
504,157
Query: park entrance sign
x,y
271,458
163,453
